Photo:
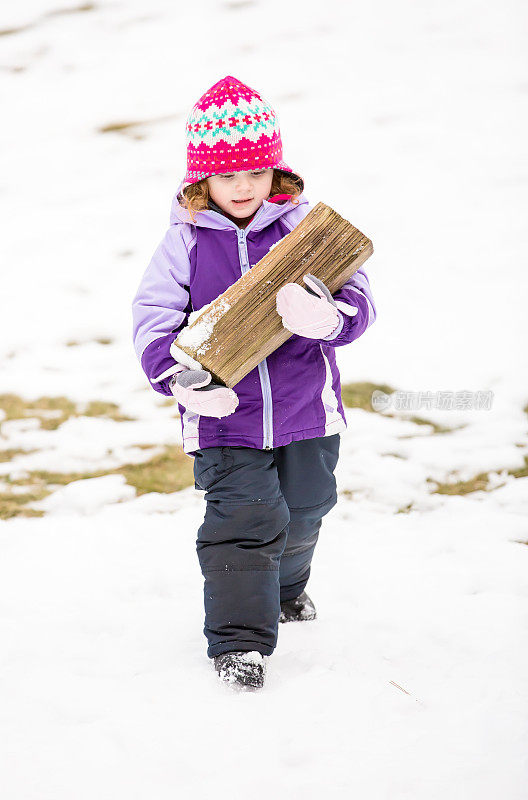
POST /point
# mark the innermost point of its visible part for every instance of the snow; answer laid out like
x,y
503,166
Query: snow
x,y
199,330
88,495
184,358
413,680
103,659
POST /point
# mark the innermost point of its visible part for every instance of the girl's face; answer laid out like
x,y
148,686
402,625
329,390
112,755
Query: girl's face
x,y
240,194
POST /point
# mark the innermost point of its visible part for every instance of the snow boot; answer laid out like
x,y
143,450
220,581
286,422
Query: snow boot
x,y
297,610
241,669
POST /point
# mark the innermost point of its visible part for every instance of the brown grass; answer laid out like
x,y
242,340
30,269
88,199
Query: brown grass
x,y
166,472
359,395
100,408
436,428
479,483
13,504
62,409
8,455
54,13
17,408
520,472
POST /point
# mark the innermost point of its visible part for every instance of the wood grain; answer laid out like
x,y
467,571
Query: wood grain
x,y
231,335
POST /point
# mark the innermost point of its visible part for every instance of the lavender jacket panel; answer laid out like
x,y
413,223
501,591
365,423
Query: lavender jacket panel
x,y
296,390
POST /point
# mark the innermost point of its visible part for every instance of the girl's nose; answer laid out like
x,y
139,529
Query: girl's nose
x,y
242,181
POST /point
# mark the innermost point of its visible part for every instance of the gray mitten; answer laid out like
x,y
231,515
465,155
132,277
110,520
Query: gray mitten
x,y
322,287
194,379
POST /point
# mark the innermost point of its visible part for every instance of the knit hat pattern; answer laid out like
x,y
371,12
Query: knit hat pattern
x,y
230,129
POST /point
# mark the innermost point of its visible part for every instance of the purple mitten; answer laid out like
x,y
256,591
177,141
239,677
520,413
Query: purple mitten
x,y
310,312
191,390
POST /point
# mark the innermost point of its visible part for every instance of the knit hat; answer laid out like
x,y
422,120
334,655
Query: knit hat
x,y
231,129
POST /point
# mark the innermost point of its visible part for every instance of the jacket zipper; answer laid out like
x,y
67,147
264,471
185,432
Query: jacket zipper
x,y
263,366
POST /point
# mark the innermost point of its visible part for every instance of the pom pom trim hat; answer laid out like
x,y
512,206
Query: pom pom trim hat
x,y
232,129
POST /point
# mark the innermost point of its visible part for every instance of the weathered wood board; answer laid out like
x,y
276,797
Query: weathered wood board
x,y
231,335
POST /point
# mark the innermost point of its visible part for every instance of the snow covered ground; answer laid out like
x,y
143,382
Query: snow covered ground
x,y
409,119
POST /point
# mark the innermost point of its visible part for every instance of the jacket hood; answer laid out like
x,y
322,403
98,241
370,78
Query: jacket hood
x,y
266,214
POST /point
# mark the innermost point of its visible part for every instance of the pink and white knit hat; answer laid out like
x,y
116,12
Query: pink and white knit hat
x,y
230,129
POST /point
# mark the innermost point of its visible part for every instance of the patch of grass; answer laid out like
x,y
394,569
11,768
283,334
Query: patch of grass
x,y
359,395
63,407
7,455
133,129
50,411
15,504
119,127
520,472
13,406
100,408
405,509
11,31
166,472
59,12
42,480
53,411
436,428
101,340
479,483
55,13
421,421
128,127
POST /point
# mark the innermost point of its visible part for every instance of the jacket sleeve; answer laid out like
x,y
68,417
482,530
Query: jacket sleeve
x,y
356,293
161,306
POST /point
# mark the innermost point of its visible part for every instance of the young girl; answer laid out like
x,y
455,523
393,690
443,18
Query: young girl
x,y
265,451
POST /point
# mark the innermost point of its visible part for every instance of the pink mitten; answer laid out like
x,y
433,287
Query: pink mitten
x,y
191,390
304,314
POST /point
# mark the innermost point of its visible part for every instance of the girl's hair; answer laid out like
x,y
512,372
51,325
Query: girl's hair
x,y
196,197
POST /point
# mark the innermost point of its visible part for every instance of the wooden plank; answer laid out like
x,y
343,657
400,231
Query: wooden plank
x,y
231,335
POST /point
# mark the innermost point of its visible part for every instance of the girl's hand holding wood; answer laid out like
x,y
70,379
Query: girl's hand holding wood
x,y
193,389
311,312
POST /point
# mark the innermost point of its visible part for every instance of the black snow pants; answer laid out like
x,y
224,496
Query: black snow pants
x,y
255,546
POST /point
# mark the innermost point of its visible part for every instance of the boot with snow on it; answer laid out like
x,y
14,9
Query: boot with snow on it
x,y
297,610
241,669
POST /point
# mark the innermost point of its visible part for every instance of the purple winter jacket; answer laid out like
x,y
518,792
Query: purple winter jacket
x,y
294,393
